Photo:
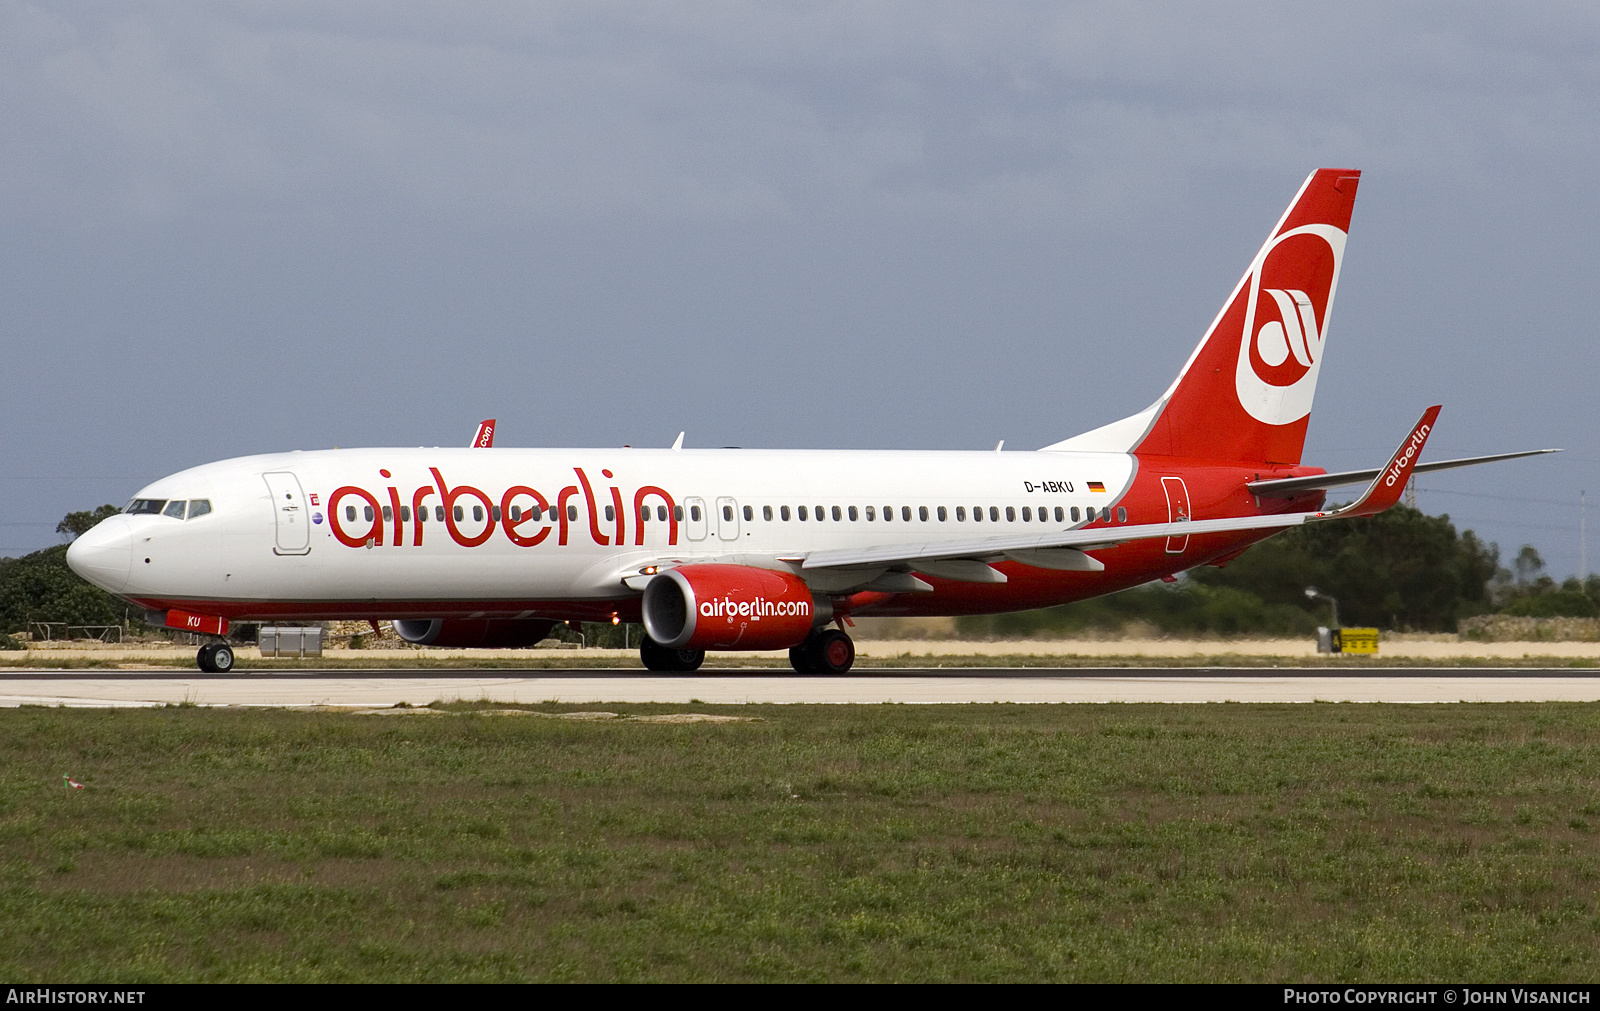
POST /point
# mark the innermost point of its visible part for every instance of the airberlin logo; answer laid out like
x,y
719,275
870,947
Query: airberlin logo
x,y
522,514
1403,461
1285,322
760,607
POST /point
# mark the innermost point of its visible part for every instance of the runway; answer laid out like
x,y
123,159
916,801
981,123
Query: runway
x,y
77,688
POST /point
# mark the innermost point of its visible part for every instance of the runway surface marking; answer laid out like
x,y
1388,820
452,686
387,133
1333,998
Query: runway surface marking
x,y
1030,685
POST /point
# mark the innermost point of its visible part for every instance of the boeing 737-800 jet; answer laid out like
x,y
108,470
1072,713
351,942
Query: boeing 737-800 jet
x,y
762,549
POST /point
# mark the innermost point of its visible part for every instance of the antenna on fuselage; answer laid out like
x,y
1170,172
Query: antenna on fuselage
x,y
678,442
999,445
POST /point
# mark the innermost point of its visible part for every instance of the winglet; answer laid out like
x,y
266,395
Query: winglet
x,y
678,442
484,437
1386,489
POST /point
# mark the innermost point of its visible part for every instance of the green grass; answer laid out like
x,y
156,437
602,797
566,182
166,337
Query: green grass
x,y
987,842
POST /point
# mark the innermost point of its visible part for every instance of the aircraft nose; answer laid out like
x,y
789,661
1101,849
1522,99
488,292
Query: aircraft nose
x,y
104,554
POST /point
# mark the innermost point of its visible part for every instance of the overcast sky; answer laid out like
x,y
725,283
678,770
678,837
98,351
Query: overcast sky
x,y
229,228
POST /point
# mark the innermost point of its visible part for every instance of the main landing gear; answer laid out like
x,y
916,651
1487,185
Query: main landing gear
x,y
828,651
215,658
824,651
659,657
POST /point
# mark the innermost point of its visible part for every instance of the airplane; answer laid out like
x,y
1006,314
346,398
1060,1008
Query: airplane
x,y
741,549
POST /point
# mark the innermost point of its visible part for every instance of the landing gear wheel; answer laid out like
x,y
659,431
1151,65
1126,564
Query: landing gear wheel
x,y
826,652
835,652
801,660
661,658
215,658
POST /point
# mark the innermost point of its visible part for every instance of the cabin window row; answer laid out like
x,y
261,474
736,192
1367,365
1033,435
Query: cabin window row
x,y
906,514
517,514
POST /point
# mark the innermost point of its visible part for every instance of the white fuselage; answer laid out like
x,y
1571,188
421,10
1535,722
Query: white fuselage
x,y
342,526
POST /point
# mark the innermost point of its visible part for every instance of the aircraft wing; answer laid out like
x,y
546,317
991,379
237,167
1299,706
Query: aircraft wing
x,y
1064,549
985,548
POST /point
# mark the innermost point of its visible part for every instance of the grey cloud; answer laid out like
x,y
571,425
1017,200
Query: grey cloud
x,y
787,224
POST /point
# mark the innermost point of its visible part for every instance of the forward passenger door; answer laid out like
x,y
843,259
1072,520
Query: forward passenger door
x,y
289,512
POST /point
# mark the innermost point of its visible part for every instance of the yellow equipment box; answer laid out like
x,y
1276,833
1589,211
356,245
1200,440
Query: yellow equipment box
x,y
1358,640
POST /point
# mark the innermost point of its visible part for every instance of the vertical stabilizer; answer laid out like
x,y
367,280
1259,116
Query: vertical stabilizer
x,y
1245,394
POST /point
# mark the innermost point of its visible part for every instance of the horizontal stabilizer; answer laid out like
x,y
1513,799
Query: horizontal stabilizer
x,y
1289,487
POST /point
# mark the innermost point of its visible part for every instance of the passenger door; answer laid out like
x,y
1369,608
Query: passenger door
x,y
289,512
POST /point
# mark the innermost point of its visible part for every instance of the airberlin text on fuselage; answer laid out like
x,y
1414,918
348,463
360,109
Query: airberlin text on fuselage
x,y
535,514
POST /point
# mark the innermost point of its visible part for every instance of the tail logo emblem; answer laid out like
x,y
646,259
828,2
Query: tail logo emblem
x,y
1291,287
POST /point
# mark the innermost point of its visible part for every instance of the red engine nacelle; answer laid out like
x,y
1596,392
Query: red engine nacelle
x,y
729,607
480,633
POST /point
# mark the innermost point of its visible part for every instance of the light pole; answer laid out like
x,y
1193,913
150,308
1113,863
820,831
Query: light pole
x,y
1316,594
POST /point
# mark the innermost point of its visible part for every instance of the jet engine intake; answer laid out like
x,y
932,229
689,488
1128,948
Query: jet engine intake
x,y
713,606
479,633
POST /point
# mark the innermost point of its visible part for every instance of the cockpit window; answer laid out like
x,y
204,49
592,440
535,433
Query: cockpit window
x,y
153,506
174,509
199,507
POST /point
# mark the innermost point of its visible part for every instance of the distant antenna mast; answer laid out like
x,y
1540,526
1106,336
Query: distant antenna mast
x,y
1583,536
1411,492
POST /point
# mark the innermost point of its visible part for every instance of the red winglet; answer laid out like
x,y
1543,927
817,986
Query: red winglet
x,y
1386,489
484,437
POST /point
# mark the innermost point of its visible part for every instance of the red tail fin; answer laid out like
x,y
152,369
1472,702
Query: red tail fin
x,y
1245,394
483,438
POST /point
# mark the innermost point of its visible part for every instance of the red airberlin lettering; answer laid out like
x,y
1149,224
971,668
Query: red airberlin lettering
x,y
525,516
616,509
561,507
672,513
531,525
449,497
373,533
399,531
594,512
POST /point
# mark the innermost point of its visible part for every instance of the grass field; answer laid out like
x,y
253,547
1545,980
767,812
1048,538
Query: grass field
x,y
1217,842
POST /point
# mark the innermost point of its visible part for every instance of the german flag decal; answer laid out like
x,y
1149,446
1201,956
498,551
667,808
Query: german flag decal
x,y
1097,486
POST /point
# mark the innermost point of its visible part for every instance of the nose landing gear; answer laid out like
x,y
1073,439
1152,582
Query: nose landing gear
x,y
828,651
215,658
